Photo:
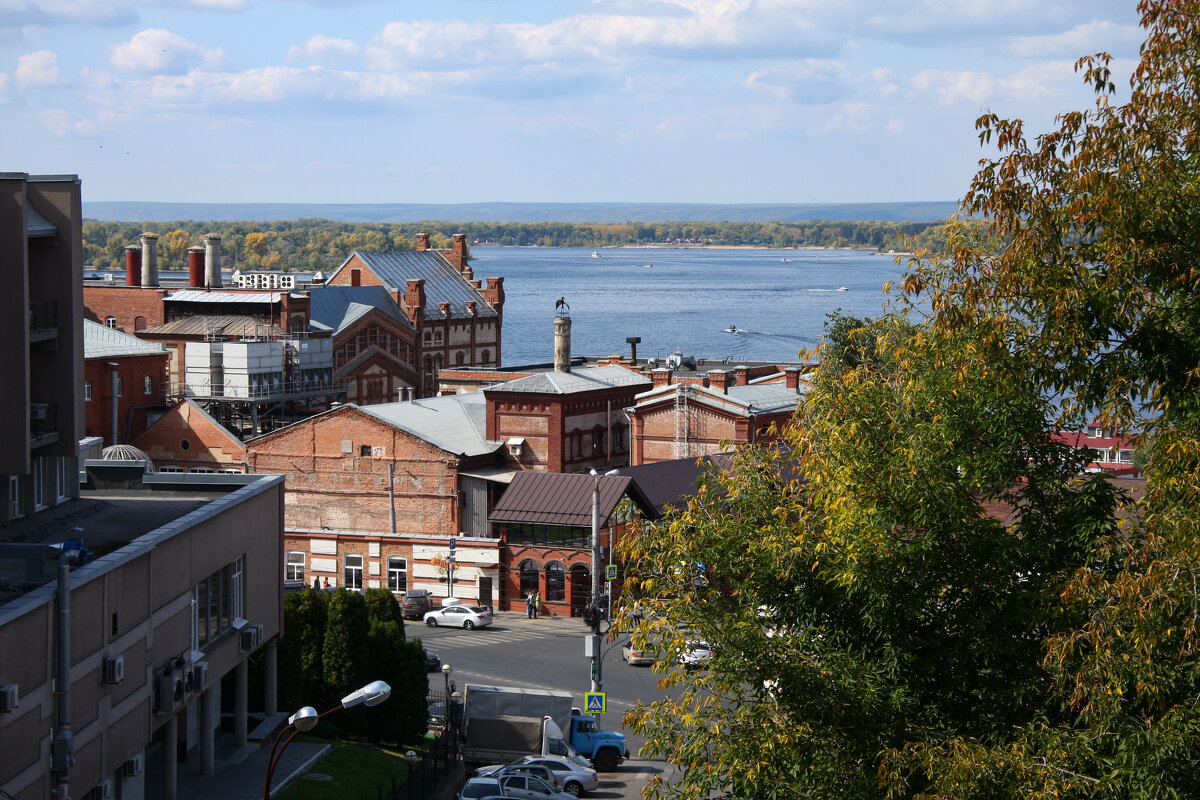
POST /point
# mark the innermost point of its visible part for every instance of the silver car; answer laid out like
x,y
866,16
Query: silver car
x,y
469,617
573,778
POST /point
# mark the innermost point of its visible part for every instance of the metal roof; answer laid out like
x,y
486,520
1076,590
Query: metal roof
x,y
672,483
205,296
740,400
226,325
581,380
454,423
555,498
36,225
443,283
100,341
336,307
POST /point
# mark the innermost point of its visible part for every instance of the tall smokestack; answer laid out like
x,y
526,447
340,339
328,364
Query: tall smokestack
x,y
149,260
212,260
562,344
133,265
196,267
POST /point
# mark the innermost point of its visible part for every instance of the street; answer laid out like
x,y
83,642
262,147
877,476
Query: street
x,y
547,654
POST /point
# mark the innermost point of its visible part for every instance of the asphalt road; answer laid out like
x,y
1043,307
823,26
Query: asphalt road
x,y
548,654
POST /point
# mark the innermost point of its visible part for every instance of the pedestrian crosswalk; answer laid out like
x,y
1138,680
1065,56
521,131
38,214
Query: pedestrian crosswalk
x,y
439,639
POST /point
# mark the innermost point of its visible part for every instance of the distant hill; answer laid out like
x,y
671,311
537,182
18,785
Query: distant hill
x,y
120,211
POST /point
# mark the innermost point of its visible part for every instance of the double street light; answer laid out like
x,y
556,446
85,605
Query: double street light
x,y
306,719
595,609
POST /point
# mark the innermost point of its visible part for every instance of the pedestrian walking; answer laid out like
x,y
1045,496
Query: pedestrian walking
x,y
537,605
529,606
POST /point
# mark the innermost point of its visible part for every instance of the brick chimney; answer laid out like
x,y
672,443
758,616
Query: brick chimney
x,y
661,377
740,377
791,378
422,241
414,300
718,380
471,308
458,255
133,265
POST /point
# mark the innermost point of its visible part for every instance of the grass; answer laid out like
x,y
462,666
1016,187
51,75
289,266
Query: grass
x,y
354,769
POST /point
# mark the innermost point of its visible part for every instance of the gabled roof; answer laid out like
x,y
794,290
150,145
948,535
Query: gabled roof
x,y
671,483
576,381
100,341
555,498
766,398
454,423
173,414
335,308
443,283
219,325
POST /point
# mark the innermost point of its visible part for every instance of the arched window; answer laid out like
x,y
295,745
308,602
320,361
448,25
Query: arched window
x,y
556,584
459,358
529,578
139,323
486,357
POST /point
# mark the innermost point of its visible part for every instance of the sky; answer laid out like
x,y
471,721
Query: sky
x,y
457,101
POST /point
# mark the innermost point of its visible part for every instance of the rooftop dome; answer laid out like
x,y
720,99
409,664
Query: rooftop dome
x,y
126,452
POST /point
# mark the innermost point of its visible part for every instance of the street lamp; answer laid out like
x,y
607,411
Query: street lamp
x,y
595,601
411,758
446,670
306,719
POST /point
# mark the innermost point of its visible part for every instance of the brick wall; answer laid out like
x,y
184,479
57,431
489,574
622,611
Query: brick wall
x,y
186,438
135,401
127,304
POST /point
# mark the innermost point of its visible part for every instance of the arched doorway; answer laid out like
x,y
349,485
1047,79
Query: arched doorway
x,y
580,583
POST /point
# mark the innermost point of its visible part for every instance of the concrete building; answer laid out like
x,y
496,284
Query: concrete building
x,y
124,383
41,407
184,586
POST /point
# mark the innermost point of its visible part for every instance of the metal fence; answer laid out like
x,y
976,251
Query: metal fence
x,y
432,767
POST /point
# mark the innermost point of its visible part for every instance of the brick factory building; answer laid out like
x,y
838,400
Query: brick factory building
x,y
124,383
187,439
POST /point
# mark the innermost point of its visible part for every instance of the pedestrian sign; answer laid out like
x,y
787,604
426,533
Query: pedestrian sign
x,y
610,572
595,702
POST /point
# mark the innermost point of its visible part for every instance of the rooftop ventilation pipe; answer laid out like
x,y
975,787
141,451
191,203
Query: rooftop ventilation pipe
x,y
196,267
133,265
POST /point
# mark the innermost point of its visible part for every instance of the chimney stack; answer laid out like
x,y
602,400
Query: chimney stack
x,y
196,267
149,260
633,342
212,260
791,378
562,344
458,255
660,377
133,265
422,241
718,379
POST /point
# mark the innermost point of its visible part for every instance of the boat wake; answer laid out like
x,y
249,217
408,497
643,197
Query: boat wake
x,y
839,289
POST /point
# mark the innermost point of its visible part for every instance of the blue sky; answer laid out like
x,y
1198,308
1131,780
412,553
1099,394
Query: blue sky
x,y
448,101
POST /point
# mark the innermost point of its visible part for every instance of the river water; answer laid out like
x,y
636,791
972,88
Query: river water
x,y
680,299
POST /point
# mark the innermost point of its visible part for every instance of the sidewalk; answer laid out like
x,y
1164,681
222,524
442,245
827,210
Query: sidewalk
x,y
517,619
240,775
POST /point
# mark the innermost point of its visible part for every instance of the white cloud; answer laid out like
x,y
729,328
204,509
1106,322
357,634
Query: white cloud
x,y
64,123
894,127
952,87
160,52
808,82
322,49
1078,41
844,118
6,94
39,68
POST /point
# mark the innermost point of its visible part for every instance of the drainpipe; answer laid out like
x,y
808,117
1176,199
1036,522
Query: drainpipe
x,y
62,756
112,365
392,495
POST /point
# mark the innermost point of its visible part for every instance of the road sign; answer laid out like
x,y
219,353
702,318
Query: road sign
x,y
595,702
610,572
453,543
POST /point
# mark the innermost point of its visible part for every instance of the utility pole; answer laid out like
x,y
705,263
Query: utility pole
x,y
591,614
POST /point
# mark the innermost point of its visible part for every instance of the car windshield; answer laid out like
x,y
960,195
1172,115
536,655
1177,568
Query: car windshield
x,y
480,789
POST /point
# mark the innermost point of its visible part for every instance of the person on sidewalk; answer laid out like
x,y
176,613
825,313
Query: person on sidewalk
x,y
529,606
537,605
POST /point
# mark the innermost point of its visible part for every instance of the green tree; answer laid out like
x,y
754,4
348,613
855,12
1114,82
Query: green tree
x,y
301,657
347,630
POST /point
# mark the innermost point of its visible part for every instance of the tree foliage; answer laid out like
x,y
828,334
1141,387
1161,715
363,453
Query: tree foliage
x,y
938,606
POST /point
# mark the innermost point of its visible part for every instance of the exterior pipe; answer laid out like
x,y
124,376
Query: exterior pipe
x,y
62,748
114,378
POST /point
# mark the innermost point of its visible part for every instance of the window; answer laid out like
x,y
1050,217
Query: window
x,y
170,469
16,508
555,583
397,574
364,450
200,469
293,569
64,475
139,323
185,445
110,322
529,578
1125,456
217,603
147,383
230,470
353,572
87,391
460,358
486,357
597,441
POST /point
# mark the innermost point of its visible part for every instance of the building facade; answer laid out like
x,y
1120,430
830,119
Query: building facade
x,y
124,383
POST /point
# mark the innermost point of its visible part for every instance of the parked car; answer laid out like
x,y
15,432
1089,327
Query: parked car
x,y
537,770
433,661
525,787
572,778
416,603
468,617
696,654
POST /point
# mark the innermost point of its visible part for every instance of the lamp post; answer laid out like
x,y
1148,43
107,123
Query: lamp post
x,y
411,758
446,670
306,719
594,611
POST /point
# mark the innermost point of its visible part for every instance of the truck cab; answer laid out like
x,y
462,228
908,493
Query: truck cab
x,y
606,749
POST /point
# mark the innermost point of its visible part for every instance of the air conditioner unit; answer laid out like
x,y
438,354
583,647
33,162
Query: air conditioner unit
x,y
8,698
103,790
251,638
134,766
113,669
169,691
199,677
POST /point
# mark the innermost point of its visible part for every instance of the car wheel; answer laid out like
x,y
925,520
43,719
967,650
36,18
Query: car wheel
x,y
605,760
431,622
468,625
573,788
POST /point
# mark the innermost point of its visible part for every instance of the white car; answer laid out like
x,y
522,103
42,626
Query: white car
x,y
469,617
696,654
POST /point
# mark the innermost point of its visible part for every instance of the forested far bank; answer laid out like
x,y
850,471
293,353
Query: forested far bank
x,y
314,244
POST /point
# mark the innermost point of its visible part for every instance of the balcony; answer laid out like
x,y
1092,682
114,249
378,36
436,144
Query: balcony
x,y
43,424
43,321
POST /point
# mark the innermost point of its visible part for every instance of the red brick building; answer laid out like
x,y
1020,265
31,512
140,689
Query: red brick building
x,y
686,420
187,439
1108,452
124,374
